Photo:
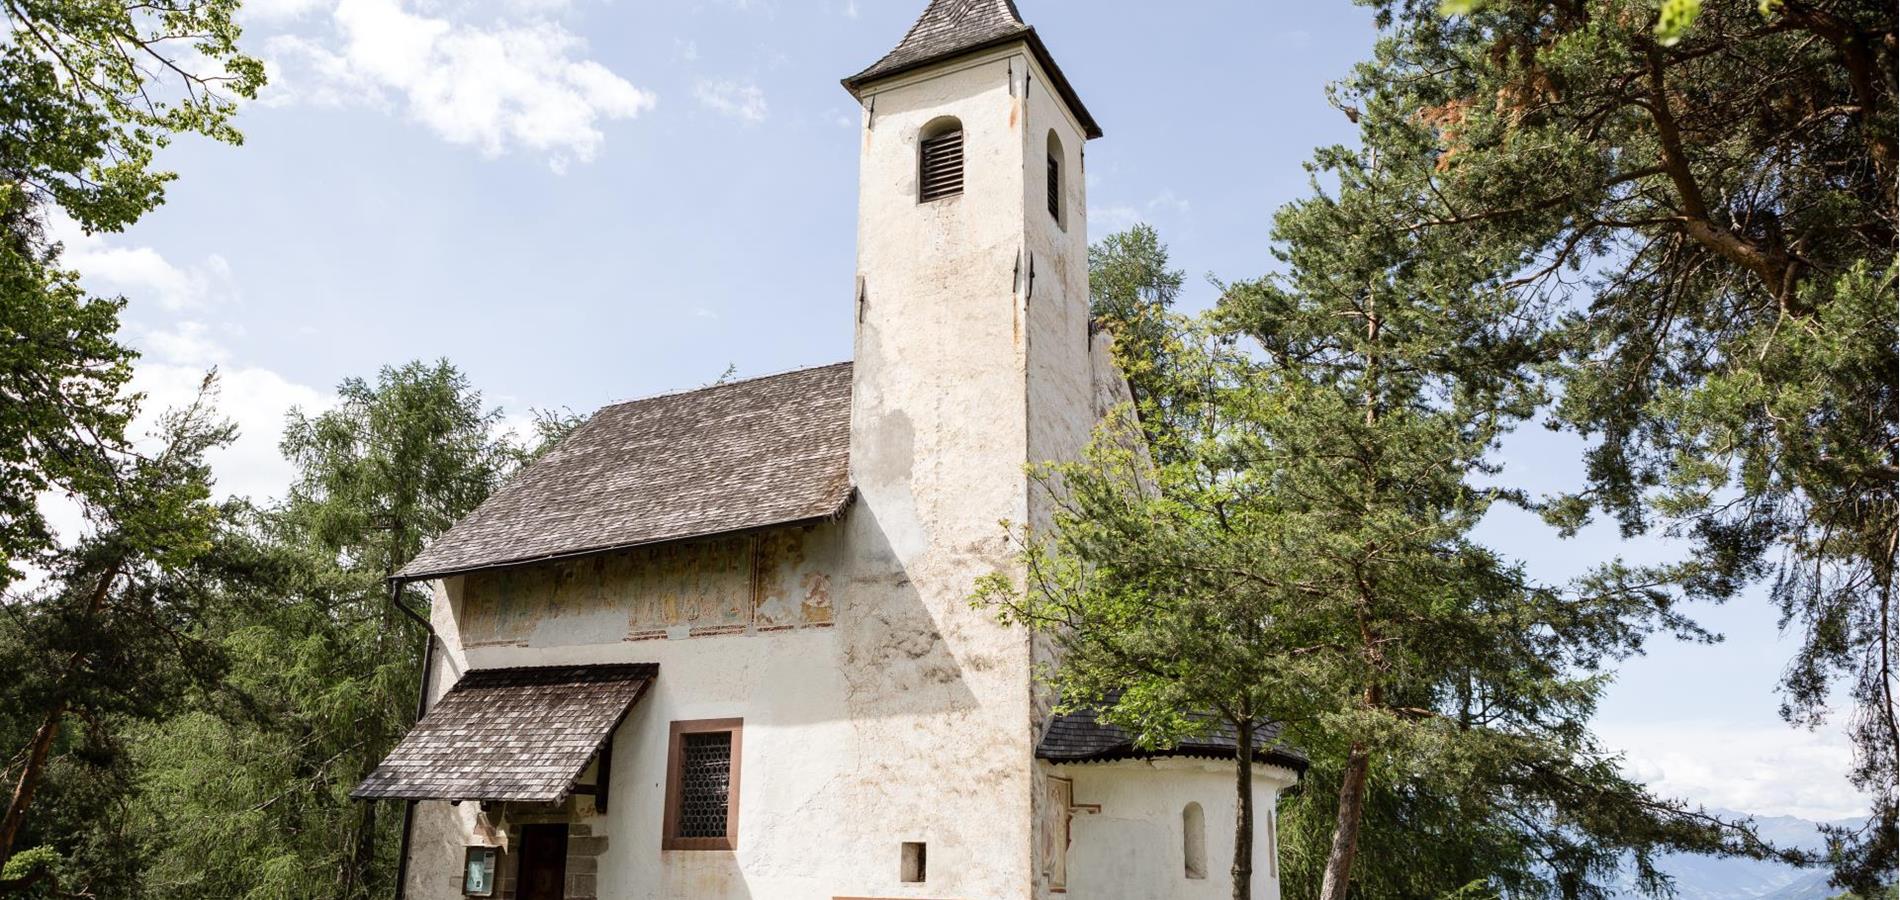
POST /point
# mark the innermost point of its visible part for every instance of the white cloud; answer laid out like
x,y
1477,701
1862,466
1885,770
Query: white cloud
x,y
687,51
186,344
1169,200
536,7
279,10
176,355
1757,769
140,272
254,399
510,86
1110,219
843,119
730,97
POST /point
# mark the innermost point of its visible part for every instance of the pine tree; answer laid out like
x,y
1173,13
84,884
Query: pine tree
x,y
1703,194
107,641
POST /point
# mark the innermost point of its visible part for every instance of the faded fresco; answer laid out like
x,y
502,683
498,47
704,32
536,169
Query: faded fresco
x,y
769,580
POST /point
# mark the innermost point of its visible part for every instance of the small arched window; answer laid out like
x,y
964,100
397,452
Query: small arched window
x,y
1055,179
940,160
1194,841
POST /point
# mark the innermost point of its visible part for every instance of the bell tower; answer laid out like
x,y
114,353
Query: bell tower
x,y
972,335
972,360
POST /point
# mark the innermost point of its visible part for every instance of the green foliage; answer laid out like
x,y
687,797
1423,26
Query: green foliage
x,y
1675,20
550,427
89,92
393,464
106,642
1695,203
95,89
1131,293
1301,552
1389,372
63,376
246,794
32,873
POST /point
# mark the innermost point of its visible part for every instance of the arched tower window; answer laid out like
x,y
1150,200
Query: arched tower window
x,y
940,160
1194,841
1055,179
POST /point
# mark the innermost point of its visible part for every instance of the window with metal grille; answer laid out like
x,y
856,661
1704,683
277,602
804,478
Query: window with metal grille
x,y
940,161
702,786
705,776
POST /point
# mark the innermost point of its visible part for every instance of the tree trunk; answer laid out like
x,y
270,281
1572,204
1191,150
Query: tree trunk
x,y
29,782
357,870
1243,810
1352,808
42,744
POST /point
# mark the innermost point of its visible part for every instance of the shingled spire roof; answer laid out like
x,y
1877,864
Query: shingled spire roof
x,y
952,28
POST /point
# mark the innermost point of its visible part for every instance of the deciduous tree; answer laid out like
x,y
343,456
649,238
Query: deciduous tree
x,y
88,93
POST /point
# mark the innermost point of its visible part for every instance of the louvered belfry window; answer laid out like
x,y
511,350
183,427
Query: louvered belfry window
x,y
702,786
940,166
1054,184
1055,188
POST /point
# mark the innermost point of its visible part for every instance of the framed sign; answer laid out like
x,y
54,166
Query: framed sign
x,y
478,872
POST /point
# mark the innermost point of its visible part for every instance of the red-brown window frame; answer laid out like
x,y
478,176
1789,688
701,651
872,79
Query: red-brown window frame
x,y
669,827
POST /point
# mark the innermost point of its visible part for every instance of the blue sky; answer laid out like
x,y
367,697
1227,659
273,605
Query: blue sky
x,y
580,201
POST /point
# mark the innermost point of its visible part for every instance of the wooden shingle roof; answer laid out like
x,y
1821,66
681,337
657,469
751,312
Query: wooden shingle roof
x,y
1079,736
510,734
747,454
952,28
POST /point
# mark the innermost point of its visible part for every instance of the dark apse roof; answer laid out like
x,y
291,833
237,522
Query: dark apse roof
x,y
1077,737
510,734
748,454
952,28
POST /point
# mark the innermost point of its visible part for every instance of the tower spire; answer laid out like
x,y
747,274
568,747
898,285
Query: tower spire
x,y
952,28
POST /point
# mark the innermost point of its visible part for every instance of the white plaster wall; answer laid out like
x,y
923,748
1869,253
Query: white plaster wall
x,y
858,736
1132,849
940,438
1059,374
1061,408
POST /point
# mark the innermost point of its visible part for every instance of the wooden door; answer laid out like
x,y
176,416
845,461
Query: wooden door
x,y
543,872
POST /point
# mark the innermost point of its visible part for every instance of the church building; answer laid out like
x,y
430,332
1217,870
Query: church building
x,y
719,644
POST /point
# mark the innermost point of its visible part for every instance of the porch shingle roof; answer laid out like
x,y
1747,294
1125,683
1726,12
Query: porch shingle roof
x,y
510,734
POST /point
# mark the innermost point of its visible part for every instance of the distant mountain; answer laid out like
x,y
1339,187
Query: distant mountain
x,y
1711,878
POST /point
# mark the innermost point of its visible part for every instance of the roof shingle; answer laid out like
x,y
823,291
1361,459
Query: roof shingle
x,y
510,734
765,451
1079,736
951,28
